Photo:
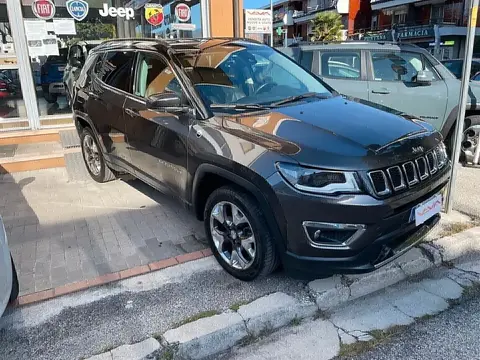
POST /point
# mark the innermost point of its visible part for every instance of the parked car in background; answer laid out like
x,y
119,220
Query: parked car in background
x,y
400,76
456,67
278,167
9,287
77,54
52,76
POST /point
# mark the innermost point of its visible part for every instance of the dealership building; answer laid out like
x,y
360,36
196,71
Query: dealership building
x,y
36,36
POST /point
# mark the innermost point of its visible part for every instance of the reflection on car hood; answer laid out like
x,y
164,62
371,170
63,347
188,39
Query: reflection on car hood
x,y
337,132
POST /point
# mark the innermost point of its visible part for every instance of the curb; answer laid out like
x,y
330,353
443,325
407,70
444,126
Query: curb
x,y
108,278
213,335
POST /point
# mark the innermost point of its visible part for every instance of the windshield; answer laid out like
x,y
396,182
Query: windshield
x,y
246,73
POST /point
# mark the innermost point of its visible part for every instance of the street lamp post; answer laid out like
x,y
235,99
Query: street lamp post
x,y
467,65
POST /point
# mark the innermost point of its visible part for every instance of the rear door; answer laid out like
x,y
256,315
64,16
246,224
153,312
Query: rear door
x,y
112,82
392,84
157,140
344,70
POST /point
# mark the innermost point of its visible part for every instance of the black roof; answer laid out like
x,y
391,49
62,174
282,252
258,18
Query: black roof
x,y
175,45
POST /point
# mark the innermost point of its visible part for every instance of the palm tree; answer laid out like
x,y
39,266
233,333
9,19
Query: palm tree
x,y
327,26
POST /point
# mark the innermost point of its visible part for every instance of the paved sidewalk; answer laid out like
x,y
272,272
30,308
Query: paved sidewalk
x,y
62,232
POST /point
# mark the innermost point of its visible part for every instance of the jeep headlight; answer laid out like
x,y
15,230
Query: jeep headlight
x,y
317,180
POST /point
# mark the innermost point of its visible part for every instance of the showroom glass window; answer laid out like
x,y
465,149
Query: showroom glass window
x,y
58,45
13,114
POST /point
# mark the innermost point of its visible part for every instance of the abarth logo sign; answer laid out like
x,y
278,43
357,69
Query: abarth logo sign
x,y
154,14
43,9
78,9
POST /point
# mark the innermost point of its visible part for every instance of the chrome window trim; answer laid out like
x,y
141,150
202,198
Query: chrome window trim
x,y
433,169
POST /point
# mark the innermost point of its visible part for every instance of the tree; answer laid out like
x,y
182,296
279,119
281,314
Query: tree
x,y
95,31
327,26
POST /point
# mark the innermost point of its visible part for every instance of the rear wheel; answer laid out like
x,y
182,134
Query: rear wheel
x,y
15,285
238,234
93,157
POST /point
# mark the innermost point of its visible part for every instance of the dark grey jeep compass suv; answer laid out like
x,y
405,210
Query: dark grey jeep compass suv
x,y
281,169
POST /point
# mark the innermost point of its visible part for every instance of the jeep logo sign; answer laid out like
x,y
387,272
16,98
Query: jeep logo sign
x,y
127,13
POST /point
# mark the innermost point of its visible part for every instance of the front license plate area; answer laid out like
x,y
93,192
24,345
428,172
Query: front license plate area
x,y
427,209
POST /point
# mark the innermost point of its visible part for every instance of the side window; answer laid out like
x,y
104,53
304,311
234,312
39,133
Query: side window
x,y
399,66
86,69
306,60
116,69
154,76
475,68
455,67
344,65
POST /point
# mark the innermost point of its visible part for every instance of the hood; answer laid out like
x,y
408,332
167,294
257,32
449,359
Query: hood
x,y
339,133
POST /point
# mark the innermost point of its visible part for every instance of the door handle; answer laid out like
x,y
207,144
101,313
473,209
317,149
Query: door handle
x,y
131,112
381,91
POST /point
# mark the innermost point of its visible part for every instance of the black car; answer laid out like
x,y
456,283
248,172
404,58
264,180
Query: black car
x,y
281,169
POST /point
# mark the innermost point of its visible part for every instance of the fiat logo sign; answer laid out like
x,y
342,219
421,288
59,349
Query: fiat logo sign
x,y
43,9
182,12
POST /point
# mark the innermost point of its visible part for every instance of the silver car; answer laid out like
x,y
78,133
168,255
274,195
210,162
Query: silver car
x,y
8,274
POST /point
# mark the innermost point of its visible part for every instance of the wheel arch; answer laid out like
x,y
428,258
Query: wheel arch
x,y
449,125
209,177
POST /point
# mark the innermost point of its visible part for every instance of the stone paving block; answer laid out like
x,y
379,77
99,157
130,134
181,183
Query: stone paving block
x,y
444,287
416,302
273,311
379,279
373,312
207,336
135,351
329,292
413,262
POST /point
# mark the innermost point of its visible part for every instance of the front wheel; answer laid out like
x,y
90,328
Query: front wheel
x,y
238,234
470,138
93,157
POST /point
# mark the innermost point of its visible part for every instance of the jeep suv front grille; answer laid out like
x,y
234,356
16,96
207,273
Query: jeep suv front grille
x,y
410,173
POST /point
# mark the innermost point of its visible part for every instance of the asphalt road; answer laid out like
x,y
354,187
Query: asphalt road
x,y
452,335
467,192
83,324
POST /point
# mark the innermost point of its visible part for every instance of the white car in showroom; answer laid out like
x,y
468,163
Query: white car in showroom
x,y
8,274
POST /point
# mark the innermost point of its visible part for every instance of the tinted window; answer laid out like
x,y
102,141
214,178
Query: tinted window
x,y
154,76
341,64
399,66
86,70
246,73
306,60
116,69
61,57
455,67
475,68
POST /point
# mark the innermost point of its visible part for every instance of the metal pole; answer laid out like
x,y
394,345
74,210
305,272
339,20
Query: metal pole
x,y
271,32
467,64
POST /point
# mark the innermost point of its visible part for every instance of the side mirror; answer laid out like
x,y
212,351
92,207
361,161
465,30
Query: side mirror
x,y
424,77
166,102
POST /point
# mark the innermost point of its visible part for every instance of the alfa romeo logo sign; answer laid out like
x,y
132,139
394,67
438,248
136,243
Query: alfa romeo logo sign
x,y
78,9
182,12
43,9
154,14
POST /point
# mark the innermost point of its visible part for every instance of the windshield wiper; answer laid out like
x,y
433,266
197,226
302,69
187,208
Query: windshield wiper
x,y
299,97
240,106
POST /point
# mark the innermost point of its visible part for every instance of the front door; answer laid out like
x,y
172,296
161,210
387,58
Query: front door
x,y
157,140
392,84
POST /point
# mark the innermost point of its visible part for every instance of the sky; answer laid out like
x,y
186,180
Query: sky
x,y
253,4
